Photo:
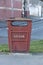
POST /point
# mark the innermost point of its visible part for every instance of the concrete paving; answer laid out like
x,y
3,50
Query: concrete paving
x,y
21,59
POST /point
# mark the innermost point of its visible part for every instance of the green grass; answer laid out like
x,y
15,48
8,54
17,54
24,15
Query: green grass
x,y
36,46
4,48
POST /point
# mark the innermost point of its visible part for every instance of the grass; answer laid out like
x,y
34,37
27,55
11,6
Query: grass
x,y
36,46
4,48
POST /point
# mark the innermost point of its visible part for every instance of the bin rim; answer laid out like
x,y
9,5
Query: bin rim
x,y
19,19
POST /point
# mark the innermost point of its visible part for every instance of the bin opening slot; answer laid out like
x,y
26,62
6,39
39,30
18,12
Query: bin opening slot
x,y
19,23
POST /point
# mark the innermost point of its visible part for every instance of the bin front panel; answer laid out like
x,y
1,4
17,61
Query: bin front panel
x,y
19,36
19,46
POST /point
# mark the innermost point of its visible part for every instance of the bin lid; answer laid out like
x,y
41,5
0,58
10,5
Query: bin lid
x,y
19,19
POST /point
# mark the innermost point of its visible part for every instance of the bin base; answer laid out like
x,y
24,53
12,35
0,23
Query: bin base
x,y
19,51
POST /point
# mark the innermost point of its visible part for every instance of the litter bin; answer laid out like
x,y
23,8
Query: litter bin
x,y
19,33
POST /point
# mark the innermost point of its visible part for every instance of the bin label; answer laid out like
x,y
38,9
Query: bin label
x,y
19,36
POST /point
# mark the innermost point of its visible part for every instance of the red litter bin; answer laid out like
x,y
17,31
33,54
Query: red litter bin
x,y
19,33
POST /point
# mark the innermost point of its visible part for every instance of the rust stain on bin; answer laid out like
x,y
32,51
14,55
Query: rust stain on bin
x,y
19,36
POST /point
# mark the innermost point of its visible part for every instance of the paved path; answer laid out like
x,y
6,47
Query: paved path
x,y
37,30
21,59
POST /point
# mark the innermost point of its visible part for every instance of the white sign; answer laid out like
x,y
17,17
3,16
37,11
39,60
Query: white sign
x,y
19,36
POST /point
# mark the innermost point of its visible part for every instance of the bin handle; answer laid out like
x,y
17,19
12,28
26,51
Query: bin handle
x,y
19,23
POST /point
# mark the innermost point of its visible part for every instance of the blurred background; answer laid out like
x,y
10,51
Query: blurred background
x,y
35,8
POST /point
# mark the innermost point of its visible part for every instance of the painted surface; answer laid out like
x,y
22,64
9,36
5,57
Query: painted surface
x,y
19,36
